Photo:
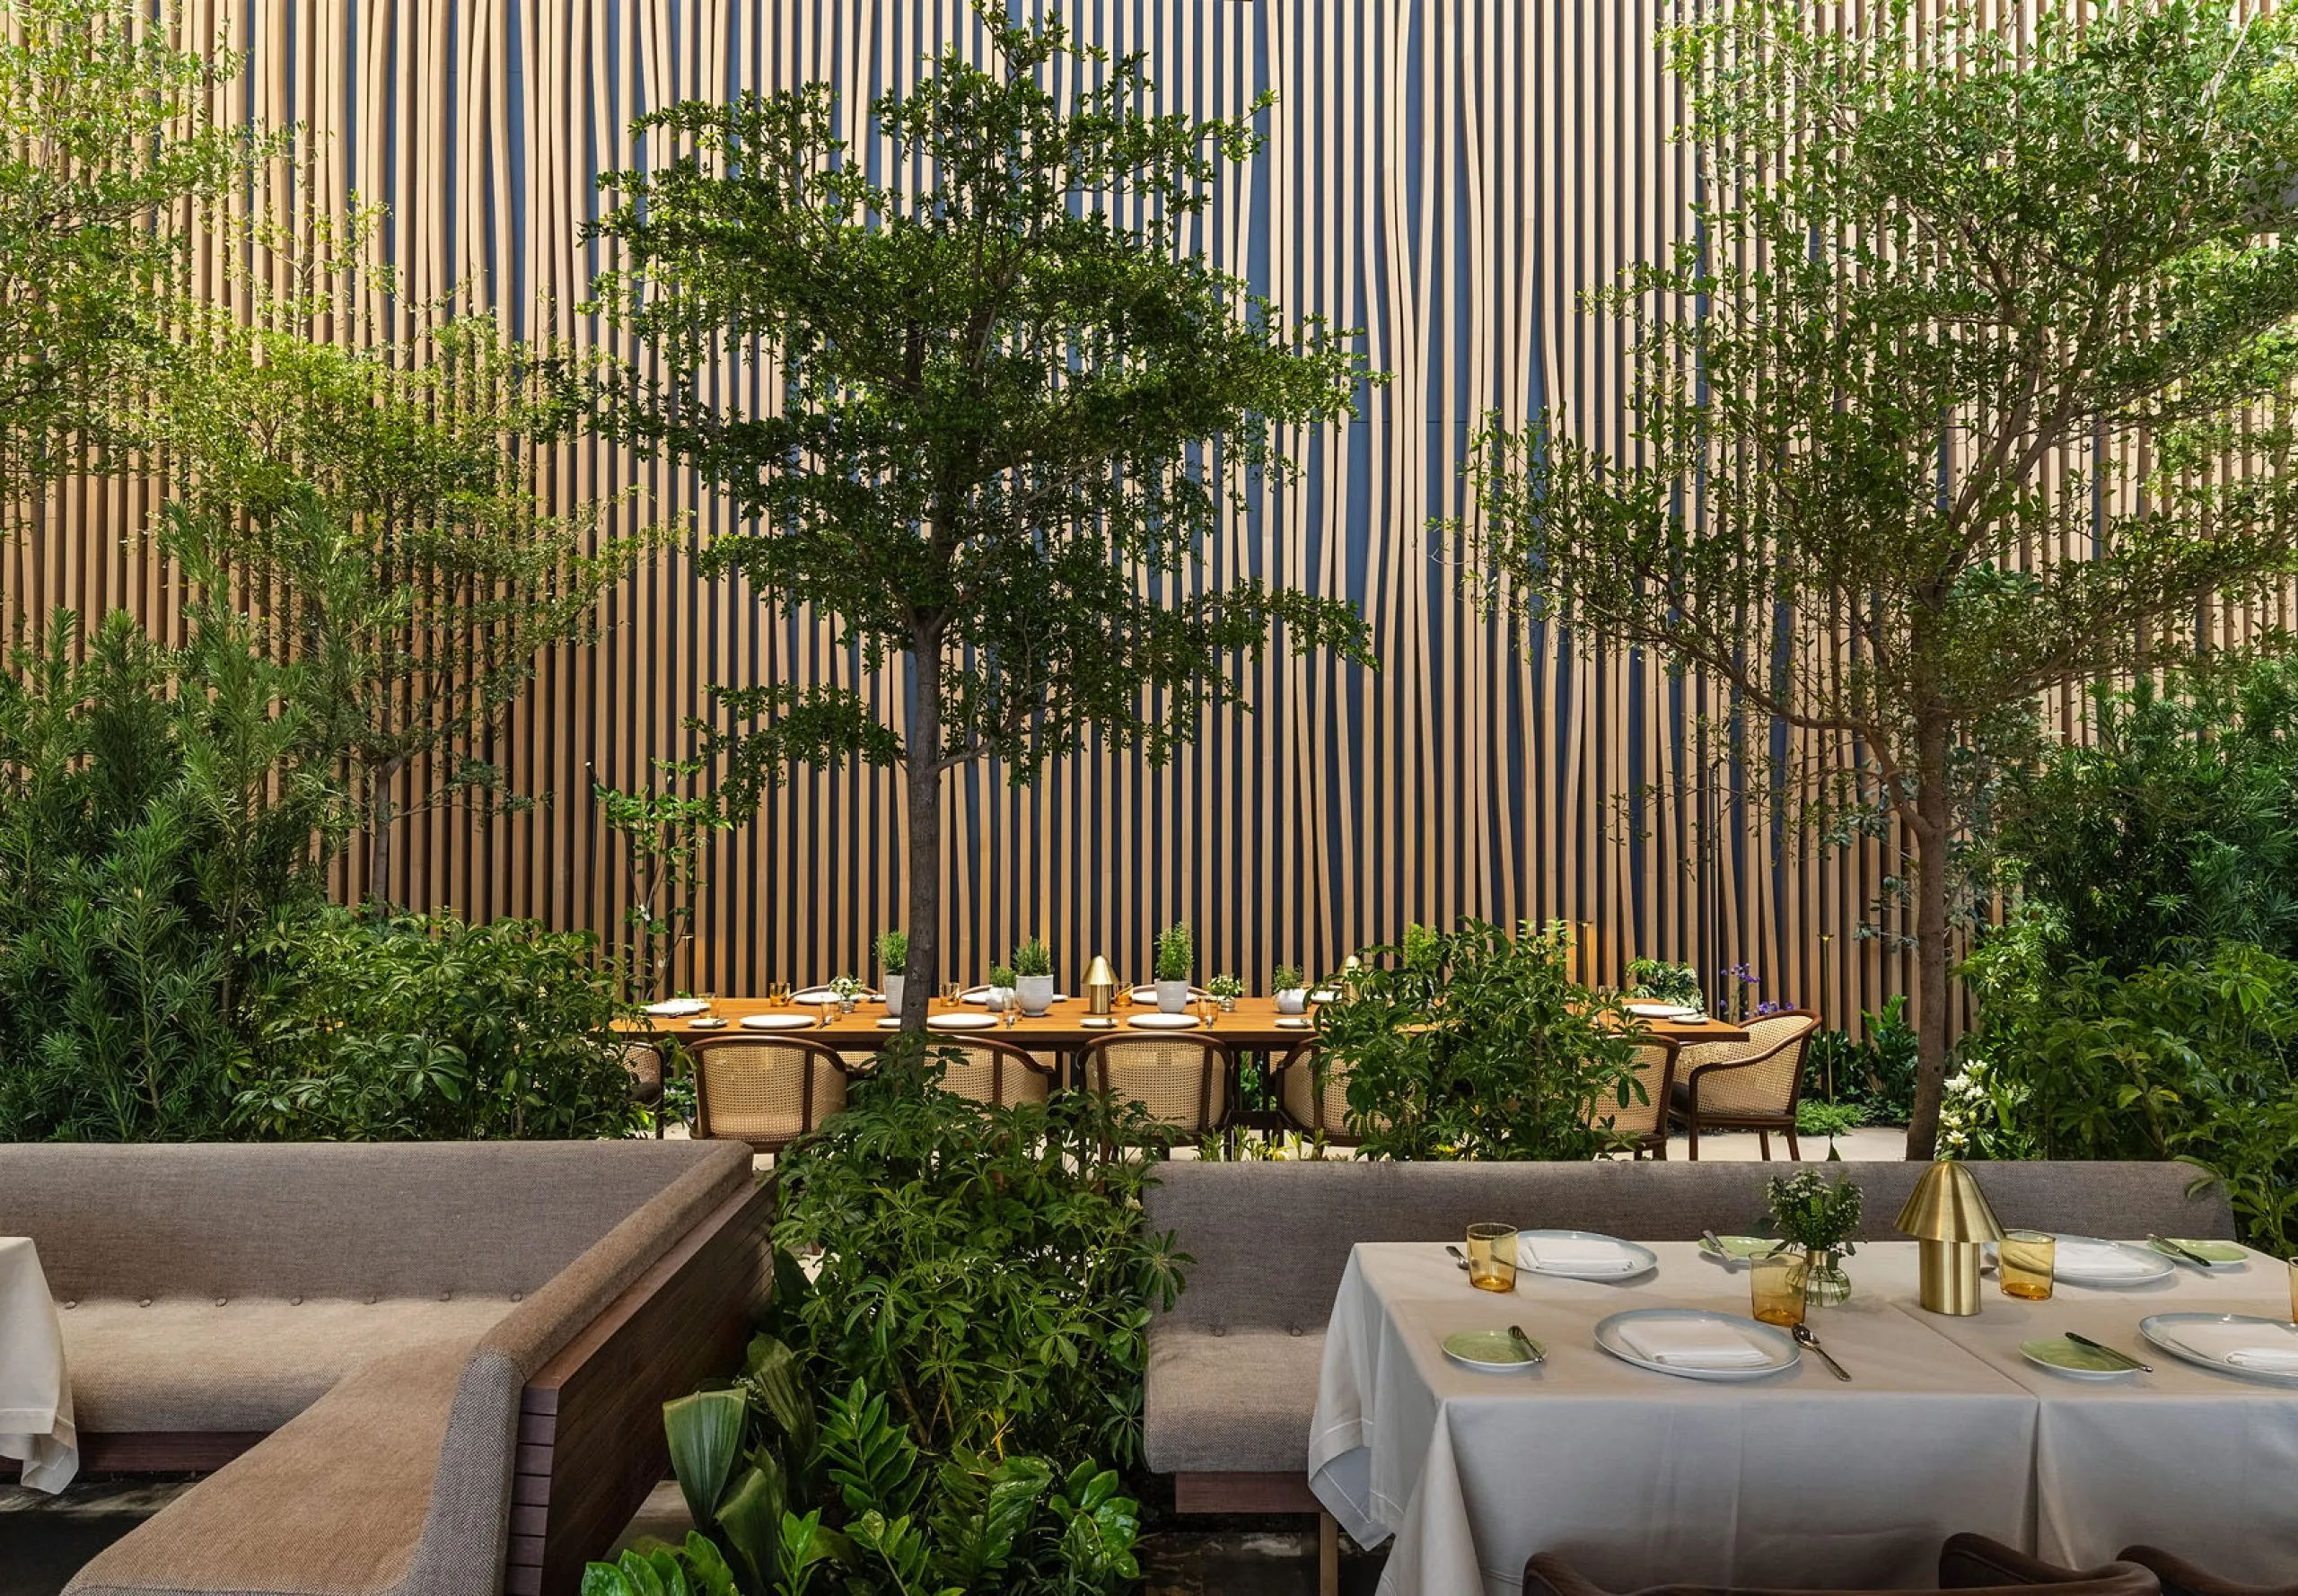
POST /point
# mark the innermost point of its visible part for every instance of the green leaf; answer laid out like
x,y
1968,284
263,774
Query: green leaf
x,y
705,1437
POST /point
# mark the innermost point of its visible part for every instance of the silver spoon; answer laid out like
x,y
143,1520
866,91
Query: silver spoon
x,y
1803,1334
1459,1258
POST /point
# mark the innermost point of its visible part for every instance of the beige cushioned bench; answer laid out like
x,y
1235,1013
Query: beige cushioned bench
x,y
424,1368
1232,1367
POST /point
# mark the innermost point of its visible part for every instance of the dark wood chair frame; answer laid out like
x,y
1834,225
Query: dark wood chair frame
x,y
1694,1119
697,1051
1655,1141
1001,1054
1302,1055
1221,1064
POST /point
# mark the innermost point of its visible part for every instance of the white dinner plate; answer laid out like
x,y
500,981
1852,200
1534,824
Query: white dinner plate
x,y
1662,1011
961,1021
2162,1329
1148,995
1646,1259
678,1008
2157,1266
890,1022
1162,1021
1325,995
707,1024
1293,1022
828,994
779,1022
1770,1339
982,994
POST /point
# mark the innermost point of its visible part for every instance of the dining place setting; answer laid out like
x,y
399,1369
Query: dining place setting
x,y
1586,1378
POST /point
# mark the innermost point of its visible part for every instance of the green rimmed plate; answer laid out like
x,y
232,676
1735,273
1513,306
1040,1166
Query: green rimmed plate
x,y
1489,1352
1739,1247
2062,1357
2218,1255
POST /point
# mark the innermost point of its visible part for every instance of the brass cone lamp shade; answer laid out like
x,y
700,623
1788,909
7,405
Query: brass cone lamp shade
x,y
1101,985
1949,1217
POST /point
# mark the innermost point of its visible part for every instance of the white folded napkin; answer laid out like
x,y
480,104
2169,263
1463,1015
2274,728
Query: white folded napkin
x,y
2103,1258
1692,1344
1576,1257
2271,1349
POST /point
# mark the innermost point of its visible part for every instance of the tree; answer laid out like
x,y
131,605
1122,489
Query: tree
x,y
1973,383
109,134
1007,411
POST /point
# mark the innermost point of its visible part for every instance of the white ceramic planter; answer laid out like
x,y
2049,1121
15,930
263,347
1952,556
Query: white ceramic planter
x,y
1292,1000
891,986
1036,992
1000,997
1172,997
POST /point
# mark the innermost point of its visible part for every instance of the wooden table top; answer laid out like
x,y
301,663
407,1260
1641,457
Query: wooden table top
x,y
1254,1023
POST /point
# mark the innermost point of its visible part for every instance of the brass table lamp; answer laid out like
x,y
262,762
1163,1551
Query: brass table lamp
x,y
1101,985
1948,1216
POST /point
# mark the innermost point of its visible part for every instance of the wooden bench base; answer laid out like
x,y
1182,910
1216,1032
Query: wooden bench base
x,y
1266,1493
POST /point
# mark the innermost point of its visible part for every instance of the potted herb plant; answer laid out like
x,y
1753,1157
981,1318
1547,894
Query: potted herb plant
x,y
1001,986
1176,958
1033,975
893,954
1818,1216
1292,989
1225,990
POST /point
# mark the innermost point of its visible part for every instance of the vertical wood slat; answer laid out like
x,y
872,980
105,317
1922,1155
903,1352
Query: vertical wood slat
x,y
1449,175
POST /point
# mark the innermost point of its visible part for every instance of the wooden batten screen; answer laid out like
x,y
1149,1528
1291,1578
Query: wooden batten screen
x,y
1449,175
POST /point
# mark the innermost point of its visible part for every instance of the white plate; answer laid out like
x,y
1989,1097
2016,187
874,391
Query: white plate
x,y
982,994
678,1008
1162,1021
2157,1266
825,994
1148,995
1769,1337
2161,1329
1293,1022
1325,995
890,1022
1647,1260
779,1022
961,1021
1663,1011
1098,1022
707,1024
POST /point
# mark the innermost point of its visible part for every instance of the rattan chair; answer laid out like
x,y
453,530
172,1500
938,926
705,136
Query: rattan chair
x,y
1312,1106
2182,1578
1751,1086
989,1070
1181,1077
768,1090
1655,1064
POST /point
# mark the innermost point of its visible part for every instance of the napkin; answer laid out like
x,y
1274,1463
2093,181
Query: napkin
x,y
2101,1258
1692,1344
1576,1257
2271,1349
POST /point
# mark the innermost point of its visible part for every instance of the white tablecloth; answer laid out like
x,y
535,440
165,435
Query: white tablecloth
x,y
35,1392
1798,1480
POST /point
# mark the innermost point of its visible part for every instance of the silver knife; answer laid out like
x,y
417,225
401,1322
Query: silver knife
x,y
2127,1361
1722,1251
2183,1255
1533,1349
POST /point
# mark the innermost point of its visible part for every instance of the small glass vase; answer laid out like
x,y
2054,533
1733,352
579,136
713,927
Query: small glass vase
x,y
1825,1285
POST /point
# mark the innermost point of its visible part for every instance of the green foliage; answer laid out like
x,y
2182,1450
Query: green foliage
x,y
662,833
153,817
1814,1213
1176,953
893,951
1816,1116
2194,1058
1973,386
1287,978
986,1270
427,1028
1002,975
1033,957
1225,986
1476,1044
1663,982
1015,404
1873,1073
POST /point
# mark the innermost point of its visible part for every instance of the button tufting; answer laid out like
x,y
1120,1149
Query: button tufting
x,y
72,1303
517,1295
370,1299
1296,1329
294,1302
1220,1329
220,1301
143,1302
444,1295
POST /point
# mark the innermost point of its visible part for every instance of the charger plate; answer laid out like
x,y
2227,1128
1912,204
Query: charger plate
x,y
1770,1338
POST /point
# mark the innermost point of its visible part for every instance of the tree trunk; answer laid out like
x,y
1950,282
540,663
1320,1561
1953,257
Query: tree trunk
x,y
379,838
922,737
1932,827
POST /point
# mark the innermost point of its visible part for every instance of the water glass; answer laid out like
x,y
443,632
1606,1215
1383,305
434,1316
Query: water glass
x,y
777,994
1492,1256
1775,1288
949,994
2023,1262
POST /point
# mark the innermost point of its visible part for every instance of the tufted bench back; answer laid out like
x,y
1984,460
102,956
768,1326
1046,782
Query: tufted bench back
x,y
1270,1239
324,1220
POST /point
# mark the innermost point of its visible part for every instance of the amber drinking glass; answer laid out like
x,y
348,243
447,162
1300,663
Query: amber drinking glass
x,y
2023,1261
1776,1288
1492,1256
777,993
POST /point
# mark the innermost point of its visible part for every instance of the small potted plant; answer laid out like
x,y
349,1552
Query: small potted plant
x,y
1001,987
1033,975
1818,1216
845,991
893,954
1225,990
1176,958
1292,989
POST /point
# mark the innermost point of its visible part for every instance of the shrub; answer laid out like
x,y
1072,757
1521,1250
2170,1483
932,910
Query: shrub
x,y
1477,1044
1663,982
423,1028
1816,1116
1033,958
1286,978
1176,953
893,952
1873,1073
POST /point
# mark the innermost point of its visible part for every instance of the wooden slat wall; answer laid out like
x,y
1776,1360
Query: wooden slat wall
x,y
1448,174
